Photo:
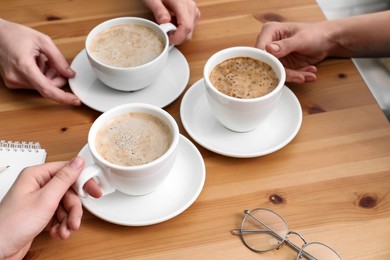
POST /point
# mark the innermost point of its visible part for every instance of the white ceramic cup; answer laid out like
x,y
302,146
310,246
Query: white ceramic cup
x,y
131,180
242,115
130,78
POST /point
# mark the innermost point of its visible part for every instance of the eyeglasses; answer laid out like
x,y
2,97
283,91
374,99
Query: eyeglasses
x,y
263,230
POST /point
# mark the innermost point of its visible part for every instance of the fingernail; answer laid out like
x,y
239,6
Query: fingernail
x,y
76,163
274,47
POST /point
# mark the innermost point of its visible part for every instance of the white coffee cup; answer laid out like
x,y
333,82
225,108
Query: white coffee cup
x,y
236,114
131,180
130,78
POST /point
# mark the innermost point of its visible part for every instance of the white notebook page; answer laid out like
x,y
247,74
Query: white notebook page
x,y
17,156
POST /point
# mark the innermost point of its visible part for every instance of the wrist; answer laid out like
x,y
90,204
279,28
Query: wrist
x,y
5,247
3,244
336,43
5,253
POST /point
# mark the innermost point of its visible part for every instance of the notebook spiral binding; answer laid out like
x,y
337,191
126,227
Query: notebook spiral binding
x,y
19,146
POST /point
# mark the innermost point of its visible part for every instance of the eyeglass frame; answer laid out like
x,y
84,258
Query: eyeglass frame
x,y
282,240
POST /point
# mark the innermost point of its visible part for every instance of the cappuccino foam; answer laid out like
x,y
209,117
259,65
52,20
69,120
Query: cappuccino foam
x,y
244,77
126,45
134,138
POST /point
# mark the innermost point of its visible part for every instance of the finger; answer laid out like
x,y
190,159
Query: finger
x,y
34,177
181,35
63,230
310,68
73,208
186,21
51,73
283,47
92,189
309,73
59,82
56,80
55,93
64,179
160,12
309,77
51,89
55,57
45,87
41,62
62,225
269,33
60,214
300,77
278,39
54,229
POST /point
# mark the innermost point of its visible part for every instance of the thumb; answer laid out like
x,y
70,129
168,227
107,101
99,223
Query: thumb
x,y
160,12
64,178
283,47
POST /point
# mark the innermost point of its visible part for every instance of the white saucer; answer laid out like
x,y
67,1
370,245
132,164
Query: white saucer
x,y
273,134
92,92
176,194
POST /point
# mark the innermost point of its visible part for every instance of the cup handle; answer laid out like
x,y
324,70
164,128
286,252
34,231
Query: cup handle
x,y
96,173
167,27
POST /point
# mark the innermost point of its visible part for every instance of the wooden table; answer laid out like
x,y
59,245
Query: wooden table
x,y
331,183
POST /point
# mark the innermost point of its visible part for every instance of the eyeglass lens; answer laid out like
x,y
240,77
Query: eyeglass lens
x,y
318,251
263,230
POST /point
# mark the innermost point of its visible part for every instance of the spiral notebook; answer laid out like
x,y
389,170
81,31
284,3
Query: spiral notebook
x,y
14,157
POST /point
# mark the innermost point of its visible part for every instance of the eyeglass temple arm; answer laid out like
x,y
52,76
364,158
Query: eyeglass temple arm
x,y
291,244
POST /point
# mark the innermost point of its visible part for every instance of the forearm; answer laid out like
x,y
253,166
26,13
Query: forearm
x,y
360,36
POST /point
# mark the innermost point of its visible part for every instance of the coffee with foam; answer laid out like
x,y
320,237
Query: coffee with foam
x,y
244,77
134,138
126,45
